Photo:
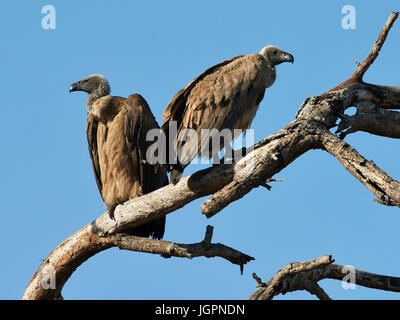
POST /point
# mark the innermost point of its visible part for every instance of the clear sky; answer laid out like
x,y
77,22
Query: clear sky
x,y
155,48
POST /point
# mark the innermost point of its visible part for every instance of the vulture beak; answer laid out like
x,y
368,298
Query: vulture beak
x,y
73,87
287,57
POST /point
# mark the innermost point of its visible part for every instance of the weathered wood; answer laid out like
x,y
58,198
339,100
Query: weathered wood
x,y
279,282
386,189
260,165
169,249
164,200
305,276
372,119
64,260
79,247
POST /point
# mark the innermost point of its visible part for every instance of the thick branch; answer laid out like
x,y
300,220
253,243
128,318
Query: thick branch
x,y
305,276
164,200
385,97
260,165
63,261
371,119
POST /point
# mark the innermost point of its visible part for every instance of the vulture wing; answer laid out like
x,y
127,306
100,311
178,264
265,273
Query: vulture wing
x,y
176,107
225,96
91,133
138,121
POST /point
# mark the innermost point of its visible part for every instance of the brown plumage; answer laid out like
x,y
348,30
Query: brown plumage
x,y
226,96
116,132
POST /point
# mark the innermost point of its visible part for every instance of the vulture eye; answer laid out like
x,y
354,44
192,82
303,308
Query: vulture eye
x,y
274,52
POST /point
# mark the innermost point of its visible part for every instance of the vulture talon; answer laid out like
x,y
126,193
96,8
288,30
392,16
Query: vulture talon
x,y
111,211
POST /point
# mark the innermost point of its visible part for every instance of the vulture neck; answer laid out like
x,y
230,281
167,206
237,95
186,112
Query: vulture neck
x,y
271,75
99,104
270,71
95,95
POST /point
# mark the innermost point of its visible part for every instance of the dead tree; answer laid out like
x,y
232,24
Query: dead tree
x,y
229,182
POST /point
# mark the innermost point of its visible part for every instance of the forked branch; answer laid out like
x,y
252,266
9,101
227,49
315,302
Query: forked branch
x,y
306,275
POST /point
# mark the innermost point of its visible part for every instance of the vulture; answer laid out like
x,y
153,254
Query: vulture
x,y
226,96
116,133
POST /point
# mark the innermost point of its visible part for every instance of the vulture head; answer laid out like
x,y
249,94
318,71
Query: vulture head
x,y
274,56
95,84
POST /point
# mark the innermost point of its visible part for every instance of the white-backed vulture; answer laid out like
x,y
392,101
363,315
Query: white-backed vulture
x,y
116,132
226,96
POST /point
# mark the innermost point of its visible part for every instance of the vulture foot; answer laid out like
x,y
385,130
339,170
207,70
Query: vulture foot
x,y
111,209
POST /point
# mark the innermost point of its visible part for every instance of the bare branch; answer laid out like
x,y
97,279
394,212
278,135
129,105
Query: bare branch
x,y
305,276
386,97
169,249
314,289
360,71
260,165
258,280
371,119
79,247
375,179
279,282
362,278
164,200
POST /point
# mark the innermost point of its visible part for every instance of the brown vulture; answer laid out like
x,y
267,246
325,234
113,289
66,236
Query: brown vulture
x,y
226,96
116,133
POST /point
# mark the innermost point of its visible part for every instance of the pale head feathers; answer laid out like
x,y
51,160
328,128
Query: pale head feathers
x,y
274,56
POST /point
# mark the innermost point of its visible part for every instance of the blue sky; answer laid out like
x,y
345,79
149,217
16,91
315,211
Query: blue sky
x,y
155,48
